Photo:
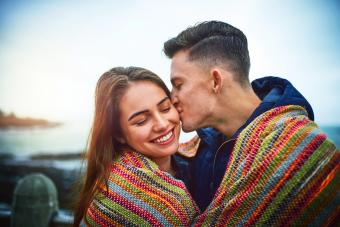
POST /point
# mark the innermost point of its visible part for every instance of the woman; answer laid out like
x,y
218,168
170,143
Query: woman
x,y
130,168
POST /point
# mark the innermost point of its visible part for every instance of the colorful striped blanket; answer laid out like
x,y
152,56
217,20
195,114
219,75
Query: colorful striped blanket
x,y
140,194
283,171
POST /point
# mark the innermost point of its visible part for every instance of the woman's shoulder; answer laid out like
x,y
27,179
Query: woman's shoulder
x,y
133,160
136,187
133,168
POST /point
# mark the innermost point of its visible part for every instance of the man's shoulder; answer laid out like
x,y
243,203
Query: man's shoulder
x,y
284,124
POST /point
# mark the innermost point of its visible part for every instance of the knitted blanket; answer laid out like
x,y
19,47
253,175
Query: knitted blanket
x,y
283,171
140,194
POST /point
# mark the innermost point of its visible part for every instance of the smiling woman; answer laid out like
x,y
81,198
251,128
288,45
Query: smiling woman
x,y
151,126
133,176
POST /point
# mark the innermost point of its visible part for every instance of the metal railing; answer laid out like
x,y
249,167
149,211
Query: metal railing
x,y
35,204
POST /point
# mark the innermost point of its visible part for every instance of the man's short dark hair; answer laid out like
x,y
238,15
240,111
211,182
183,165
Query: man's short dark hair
x,y
211,43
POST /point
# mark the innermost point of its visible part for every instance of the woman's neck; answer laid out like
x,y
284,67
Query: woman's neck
x,y
164,164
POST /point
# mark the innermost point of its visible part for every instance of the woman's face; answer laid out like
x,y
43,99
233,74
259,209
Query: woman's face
x,y
149,122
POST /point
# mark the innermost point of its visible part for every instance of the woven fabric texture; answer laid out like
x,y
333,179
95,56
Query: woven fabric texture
x,y
283,171
140,194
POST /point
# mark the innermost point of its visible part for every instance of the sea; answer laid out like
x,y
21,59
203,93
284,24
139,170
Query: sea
x,y
63,139
72,138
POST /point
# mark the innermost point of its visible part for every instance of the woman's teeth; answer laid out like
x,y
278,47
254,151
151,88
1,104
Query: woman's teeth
x,y
164,138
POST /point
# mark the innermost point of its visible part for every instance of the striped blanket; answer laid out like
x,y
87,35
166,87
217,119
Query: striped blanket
x,y
283,171
140,194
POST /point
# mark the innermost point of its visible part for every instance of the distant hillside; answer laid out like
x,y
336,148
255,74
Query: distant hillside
x,y
10,120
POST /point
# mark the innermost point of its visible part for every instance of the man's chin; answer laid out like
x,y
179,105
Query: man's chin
x,y
187,129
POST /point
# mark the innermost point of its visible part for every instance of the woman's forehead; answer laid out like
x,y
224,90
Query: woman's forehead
x,y
141,95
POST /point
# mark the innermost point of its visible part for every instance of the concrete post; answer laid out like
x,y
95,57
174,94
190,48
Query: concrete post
x,y
34,201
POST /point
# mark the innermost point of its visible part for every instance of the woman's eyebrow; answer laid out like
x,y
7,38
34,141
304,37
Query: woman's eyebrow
x,y
163,100
137,113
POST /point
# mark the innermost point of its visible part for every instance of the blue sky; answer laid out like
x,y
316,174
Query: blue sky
x,y
53,52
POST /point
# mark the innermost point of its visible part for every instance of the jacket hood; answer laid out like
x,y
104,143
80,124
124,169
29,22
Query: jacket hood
x,y
280,92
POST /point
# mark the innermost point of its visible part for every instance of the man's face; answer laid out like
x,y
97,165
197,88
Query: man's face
x,y
190,92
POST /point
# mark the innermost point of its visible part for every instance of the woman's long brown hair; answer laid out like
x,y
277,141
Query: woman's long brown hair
x,y
103,146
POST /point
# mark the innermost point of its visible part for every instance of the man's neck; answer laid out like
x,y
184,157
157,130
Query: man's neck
x,y
230,116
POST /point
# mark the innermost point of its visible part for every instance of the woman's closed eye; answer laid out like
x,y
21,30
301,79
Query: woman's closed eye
x,y
166,109
141,121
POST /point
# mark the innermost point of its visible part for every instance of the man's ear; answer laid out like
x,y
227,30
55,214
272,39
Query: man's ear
x,y
217,80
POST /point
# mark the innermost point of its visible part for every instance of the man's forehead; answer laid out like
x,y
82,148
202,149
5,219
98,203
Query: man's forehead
x,y
180,57
179,65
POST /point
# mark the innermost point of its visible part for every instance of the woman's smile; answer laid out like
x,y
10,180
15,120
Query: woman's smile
x,y
165,139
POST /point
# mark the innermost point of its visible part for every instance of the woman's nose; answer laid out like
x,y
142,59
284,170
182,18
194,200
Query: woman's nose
x,y
161,123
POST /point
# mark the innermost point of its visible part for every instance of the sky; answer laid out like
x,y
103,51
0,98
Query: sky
x,y
53,52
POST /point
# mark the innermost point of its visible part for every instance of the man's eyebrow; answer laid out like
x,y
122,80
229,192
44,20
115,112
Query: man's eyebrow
x,y
145,111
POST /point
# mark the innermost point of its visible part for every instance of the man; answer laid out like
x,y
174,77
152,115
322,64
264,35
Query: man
x,y
261,158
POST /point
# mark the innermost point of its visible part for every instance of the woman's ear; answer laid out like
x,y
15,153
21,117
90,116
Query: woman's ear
x,y
217,80
121,140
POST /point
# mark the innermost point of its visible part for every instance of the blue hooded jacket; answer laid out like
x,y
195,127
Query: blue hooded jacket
x,y
208,166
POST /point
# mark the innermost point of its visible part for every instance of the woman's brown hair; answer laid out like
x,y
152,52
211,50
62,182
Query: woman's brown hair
x,y
103,145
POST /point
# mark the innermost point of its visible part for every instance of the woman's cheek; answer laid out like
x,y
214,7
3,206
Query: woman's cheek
x,y
175,115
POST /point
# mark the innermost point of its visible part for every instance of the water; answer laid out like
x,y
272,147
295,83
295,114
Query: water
x,y
72,138
67,138
333,133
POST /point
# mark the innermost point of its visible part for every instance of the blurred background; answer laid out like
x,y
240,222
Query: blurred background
x,y
53,52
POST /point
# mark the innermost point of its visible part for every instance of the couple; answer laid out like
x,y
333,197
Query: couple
x,y
260,159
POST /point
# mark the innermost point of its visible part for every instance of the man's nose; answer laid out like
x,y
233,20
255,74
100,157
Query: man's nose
x,y
174,98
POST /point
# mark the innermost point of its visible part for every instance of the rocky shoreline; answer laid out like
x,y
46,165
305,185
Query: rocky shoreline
x,y
12,121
